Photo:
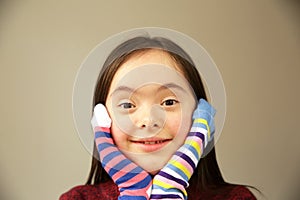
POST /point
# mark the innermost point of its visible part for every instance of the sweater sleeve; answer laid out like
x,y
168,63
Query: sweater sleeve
x,y
241,193
107,191
72,194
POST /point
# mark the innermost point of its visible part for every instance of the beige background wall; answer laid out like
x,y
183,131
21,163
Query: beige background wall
x,y
42,44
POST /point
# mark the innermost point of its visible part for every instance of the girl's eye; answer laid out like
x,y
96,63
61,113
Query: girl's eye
x,y
169,102
127,105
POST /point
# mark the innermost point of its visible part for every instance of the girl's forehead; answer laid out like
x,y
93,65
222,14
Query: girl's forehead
x,y
150,57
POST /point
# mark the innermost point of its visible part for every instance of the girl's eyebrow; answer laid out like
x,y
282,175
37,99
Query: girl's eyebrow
x,y
123,88
170,86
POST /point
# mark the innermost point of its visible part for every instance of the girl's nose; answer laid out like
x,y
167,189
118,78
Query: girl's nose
x,y
148,122
151,118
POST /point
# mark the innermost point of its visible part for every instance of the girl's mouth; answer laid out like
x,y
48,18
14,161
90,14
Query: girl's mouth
x,y
150,144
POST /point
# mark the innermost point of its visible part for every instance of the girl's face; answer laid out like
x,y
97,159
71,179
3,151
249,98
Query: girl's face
x,y
151,105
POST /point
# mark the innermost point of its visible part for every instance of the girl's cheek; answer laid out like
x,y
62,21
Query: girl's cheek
x,y
173,123
119,137
179,125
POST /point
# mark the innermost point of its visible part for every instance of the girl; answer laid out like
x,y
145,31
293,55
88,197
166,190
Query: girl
x,y
169,124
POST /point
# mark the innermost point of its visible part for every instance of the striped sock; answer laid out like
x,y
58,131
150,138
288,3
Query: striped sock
x,y
171,181
134,183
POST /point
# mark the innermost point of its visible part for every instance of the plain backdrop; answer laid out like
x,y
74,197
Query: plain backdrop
x,y
254,43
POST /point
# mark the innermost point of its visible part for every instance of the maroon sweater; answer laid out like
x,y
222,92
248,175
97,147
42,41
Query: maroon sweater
x,y
109,191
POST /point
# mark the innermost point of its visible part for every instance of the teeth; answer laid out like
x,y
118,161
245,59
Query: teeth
x,y
151,142
154,142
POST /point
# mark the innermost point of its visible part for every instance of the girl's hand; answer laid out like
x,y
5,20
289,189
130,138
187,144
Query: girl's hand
x,y
171,181
132,180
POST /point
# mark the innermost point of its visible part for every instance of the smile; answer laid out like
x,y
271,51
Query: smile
x,y
150,145
152,142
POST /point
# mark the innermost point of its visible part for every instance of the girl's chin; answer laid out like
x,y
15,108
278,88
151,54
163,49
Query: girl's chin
x,y
150,162
153,173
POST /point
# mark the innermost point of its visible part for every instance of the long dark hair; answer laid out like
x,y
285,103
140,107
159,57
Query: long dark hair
x,y
207,173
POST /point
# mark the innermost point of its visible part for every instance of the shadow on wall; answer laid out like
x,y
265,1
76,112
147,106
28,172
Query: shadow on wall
x,y
5,193
293,8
